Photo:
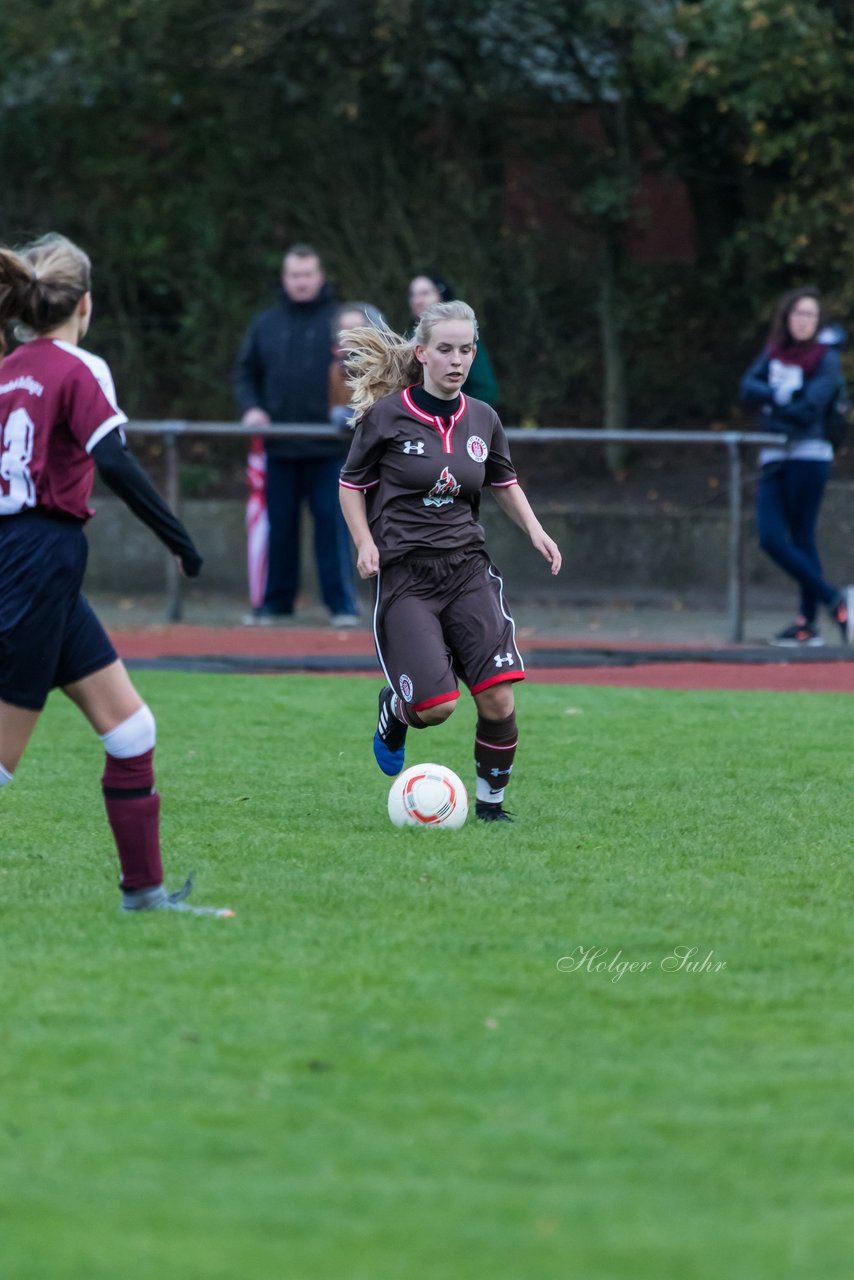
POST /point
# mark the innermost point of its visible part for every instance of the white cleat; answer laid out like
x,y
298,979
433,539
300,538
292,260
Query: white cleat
x,y
157,899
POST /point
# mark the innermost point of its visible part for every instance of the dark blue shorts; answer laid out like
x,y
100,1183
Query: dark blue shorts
x,y
49,636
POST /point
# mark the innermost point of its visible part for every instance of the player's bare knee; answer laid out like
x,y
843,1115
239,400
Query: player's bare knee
x,y
496,703
439,713
133,737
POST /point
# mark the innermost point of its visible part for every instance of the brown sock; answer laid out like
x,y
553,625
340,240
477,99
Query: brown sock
x,y
406,715
494,751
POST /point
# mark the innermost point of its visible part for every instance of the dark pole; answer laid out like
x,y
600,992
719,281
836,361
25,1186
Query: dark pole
x,y
736,544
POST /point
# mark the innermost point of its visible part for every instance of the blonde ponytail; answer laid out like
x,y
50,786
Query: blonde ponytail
x,y
379,361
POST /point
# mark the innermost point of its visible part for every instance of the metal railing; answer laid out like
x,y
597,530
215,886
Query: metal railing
x,y
171,430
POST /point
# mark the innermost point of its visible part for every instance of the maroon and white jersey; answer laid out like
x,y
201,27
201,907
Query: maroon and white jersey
x,y
56,403
422,475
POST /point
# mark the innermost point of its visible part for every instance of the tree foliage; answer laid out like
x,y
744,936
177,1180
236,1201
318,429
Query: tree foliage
x,y
187,143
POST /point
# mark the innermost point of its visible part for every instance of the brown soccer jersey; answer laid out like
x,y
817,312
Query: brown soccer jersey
x,y
422,476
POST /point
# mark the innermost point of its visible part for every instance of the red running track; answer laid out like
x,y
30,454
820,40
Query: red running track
x,y
815,677
297,642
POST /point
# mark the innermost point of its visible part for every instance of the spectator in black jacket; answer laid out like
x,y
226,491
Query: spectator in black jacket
x,y
282,375
794,383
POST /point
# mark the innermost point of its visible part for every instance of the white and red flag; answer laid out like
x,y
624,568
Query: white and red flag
x,y
257,523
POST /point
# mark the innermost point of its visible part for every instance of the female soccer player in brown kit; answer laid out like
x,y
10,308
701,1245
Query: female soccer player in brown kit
x,y
410,492
59,420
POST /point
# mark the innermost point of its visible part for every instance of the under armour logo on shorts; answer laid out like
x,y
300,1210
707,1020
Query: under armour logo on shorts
x,y
501,658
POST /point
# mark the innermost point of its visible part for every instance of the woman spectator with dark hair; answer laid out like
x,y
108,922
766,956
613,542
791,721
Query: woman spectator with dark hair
x,y
795,382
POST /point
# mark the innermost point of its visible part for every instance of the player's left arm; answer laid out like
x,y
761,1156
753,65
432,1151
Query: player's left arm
x,y
512,500
122,473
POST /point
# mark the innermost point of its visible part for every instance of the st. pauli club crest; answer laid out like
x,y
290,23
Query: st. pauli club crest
x,y
476,449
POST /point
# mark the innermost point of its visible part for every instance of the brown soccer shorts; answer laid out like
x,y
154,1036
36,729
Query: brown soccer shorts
x,y
443,618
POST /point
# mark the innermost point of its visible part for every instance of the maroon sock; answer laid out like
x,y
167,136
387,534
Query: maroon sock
x,y
494,750
133,812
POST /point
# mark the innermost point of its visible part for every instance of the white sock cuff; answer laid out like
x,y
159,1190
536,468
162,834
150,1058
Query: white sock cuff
x,y
483,791
133,737
5,776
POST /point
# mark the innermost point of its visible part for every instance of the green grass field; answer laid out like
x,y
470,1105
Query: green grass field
x,y
379,1070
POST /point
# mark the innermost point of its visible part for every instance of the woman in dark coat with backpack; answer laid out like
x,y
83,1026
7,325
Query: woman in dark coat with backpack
x,y
796,382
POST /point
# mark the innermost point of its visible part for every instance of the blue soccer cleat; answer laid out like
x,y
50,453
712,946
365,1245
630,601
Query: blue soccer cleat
x,y
390,737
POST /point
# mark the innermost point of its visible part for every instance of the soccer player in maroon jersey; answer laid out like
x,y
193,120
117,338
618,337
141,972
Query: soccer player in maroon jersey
x,y
410,492
59,420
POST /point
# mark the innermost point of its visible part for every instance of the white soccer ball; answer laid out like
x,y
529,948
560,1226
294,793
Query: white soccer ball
x,y
428,795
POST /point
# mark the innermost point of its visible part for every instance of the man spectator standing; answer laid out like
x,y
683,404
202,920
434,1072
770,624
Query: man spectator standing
x,y
282,375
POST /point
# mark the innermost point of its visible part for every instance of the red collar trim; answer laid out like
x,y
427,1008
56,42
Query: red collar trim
x,y
429,417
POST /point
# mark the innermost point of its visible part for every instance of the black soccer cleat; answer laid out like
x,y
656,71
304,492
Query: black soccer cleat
x,y
390,737
491,812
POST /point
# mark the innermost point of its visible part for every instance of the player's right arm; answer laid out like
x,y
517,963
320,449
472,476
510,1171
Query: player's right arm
x,y
355,513
361,472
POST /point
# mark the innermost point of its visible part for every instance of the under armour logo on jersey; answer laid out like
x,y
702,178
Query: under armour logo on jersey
x,y
444,490
413,446
501,658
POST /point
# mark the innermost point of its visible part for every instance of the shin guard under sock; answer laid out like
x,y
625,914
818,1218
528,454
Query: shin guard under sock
x,y
494,751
